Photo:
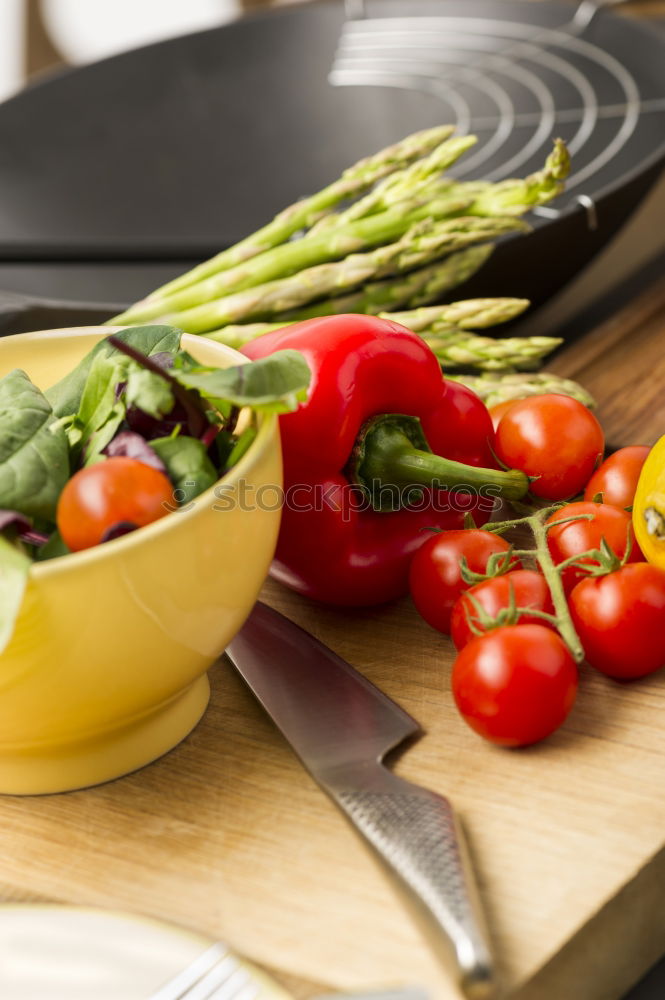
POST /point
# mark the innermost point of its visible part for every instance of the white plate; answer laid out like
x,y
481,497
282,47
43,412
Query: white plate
x,y
76,953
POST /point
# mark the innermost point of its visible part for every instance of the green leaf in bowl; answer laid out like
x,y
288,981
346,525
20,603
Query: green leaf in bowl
x,y
34,458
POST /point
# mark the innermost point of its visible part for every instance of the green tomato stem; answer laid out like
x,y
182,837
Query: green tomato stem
x,y
551,572
553,577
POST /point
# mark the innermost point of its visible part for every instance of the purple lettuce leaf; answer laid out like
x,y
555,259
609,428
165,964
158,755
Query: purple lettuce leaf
x,y
22,525
12,519
129,444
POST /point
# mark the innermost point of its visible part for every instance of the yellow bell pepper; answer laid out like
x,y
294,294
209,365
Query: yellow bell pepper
x,y
649,506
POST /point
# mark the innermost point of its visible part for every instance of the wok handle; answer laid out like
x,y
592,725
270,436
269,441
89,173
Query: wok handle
x,y
21,313
417,835
590,4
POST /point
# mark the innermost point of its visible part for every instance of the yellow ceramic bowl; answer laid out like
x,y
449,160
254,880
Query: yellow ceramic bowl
x,y
107,667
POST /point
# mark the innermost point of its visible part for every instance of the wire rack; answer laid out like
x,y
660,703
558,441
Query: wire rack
x,y
516,86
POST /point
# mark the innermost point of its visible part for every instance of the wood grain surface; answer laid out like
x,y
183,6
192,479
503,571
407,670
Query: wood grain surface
x,y
228,835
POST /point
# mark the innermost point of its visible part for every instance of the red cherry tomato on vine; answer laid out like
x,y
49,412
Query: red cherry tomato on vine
x,y
499,409
435,576
117,491
527,588
574,538
554,438
515,685
620,619
616,479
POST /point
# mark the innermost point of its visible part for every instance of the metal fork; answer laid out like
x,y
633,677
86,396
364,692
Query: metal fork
x,y
217,975
214,975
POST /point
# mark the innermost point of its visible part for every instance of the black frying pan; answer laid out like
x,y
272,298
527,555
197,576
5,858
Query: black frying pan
x,y
165,154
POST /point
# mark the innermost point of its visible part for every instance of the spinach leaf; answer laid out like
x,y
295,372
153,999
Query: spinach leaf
x,y
241,446
65,395
275,384
34,459
188,466
148,392
52,549
101,411
14,569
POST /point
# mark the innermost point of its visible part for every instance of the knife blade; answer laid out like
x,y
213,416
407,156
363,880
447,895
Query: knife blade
x,y
341,727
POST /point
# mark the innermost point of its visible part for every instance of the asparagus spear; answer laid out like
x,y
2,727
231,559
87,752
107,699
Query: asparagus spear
x,y
515,197
467,314
401,184
237,334
302,214
456,349
310,251
275,297
461,350
494,389
451,320
415,289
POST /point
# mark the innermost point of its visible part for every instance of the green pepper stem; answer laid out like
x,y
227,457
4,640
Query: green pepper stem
x,y
392,453
407,466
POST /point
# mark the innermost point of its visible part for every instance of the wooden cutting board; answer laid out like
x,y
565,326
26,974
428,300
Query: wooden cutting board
x,y
228,835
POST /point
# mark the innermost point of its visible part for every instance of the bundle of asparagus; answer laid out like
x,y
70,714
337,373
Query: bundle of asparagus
x,y
392,233
446,329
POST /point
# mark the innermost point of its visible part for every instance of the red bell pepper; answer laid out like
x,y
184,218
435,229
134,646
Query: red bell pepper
x,y
362,454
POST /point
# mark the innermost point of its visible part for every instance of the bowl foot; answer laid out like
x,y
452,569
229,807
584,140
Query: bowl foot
x,y
112,754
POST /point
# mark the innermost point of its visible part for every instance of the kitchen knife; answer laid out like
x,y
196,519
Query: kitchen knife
x,y
341,726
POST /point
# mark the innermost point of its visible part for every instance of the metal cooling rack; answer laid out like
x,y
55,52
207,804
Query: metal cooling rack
x,y
514,84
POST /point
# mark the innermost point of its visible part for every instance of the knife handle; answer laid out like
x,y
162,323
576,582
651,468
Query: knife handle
x,y
416,833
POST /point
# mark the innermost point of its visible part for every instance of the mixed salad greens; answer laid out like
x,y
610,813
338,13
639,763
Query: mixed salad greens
x,y
139,423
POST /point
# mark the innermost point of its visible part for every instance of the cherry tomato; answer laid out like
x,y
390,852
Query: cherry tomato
x,y
117,491
527,588
616,479
554,438
435,576
499,409
576,537
620,619
516,684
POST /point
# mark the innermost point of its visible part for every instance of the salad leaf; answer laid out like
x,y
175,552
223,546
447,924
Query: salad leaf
x,y
65,395
114,383
148,392
34,458
14,569
275,384
52,549
189,402
101,410
127,444
241,446
12,520
188,466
